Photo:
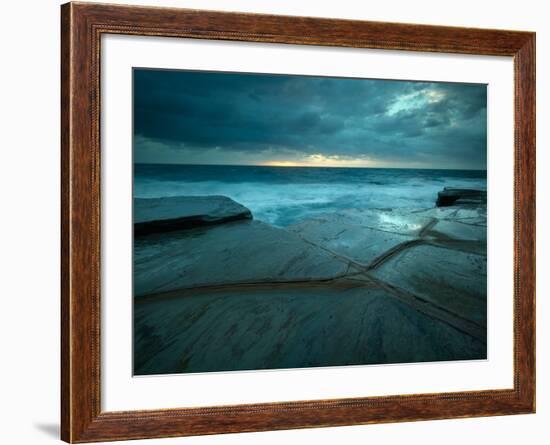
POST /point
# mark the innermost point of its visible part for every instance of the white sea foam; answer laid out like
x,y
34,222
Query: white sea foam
x,y
286,203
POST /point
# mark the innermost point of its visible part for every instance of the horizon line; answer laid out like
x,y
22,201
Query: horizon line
x,y
310,166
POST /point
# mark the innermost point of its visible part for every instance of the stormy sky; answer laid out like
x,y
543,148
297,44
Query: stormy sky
x,y
189,117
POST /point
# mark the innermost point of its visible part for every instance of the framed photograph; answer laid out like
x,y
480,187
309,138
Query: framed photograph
x,y
274,222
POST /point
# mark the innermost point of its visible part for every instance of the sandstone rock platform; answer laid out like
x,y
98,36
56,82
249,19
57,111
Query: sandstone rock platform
x,y
353,287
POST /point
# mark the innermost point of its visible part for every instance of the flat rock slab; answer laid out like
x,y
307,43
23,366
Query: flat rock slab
x,y
458,231
288,327
453,280
466,215
346,237
400,221
238,252
154,215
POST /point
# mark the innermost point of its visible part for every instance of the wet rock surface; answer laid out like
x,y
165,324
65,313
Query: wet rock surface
x,y
359,243
287,327
357,287
158,215
454,281
232,253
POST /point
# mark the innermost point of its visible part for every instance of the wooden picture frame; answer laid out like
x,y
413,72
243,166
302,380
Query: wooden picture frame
x,y
82,25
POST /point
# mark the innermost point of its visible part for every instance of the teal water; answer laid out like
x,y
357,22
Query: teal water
x,y
286,195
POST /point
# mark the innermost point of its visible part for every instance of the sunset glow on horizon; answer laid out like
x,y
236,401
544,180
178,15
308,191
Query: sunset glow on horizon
x,y
319,160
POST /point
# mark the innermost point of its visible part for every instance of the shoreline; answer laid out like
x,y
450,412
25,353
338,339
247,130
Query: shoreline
x,y
374,255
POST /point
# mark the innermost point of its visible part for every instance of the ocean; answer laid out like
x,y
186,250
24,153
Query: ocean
x,y
283,196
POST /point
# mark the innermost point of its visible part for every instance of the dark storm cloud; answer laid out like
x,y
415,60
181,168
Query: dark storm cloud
x,y
392,122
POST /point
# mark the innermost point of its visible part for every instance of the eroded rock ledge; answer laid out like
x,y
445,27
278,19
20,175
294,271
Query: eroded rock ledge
x,y
451,196
157,215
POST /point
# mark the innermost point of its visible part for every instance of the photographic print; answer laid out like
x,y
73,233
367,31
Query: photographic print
x,y
290,221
